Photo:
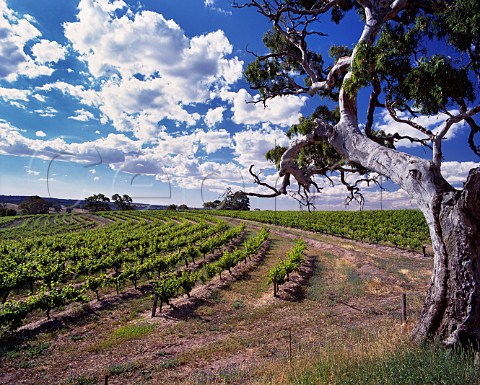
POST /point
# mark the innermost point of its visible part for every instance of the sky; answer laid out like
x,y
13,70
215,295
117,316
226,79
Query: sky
x,y
147,98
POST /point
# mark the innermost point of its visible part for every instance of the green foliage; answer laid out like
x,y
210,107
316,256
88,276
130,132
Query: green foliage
x,y
275,155
430,83
338,51
6,212
234,201
97,202
424,61
123,202
403,228
435,84
48,272
459,25
280,272
34,205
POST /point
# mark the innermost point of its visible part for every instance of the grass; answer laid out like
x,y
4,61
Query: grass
x,y
116,369
124,334
388,359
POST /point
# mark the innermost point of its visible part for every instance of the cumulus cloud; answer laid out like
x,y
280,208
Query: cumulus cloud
x,y
14,33
47,112
214,116
153,70
32,172
283,111
40,134
112,149
250,146
9,94
213,141
89,97
48,51
456,173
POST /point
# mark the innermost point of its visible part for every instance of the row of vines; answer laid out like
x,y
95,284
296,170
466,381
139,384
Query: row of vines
x,y
43,273
402,228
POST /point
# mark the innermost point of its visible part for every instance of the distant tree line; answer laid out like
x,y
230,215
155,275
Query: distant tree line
x,y
175,207
100,202
97,202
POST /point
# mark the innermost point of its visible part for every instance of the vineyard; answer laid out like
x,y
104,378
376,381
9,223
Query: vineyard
x,y
402,228
40,272
200,297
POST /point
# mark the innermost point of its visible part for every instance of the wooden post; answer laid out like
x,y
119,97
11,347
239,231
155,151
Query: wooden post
x,y
404,308
290,345
424,251
154,307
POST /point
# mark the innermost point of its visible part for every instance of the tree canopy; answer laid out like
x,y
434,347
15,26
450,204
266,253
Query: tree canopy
x,y
414,58
97,202
123,202
234,201
34,205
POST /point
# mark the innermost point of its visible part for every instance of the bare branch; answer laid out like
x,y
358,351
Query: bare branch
x,y
276,192
391,109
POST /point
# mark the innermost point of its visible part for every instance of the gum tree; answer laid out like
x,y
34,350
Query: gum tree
x,y
412,59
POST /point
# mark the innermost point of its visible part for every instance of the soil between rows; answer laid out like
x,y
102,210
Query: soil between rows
x,y
231,328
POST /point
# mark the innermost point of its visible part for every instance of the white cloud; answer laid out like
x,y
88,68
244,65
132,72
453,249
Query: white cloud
x,y
82,115
14,33
250,146
88,97
213,140
211,4
47,112
39,97
32,172
48,51
9,94
433,123
214,116
153,70
456,173
282,111
40,134
30,69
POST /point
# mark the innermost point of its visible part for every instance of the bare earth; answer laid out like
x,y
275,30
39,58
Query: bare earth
x,y
231,328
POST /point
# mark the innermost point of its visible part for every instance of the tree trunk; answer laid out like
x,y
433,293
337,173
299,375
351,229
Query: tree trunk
x,y
451,313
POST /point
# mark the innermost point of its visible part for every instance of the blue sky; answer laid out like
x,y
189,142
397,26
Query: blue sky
x,y
147,98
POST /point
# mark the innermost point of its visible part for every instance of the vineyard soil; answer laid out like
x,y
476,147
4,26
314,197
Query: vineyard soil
x,y
231,330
